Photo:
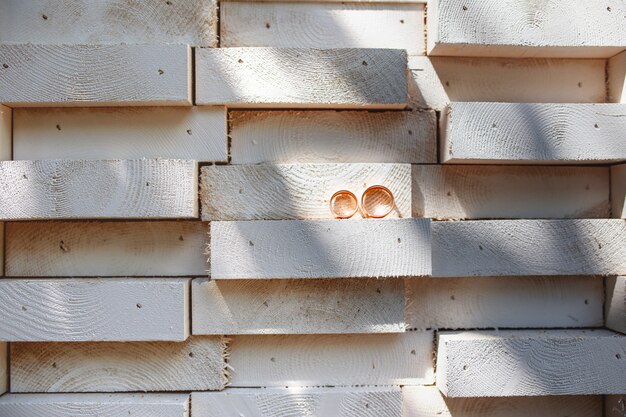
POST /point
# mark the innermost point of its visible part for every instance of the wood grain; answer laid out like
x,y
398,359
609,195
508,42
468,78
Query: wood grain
x,y
323,25
6,131
616,304
313,360
527,133
429,402
298,306
616,72
4,369
320,249
299,191
322,136
65,189
529,247
197,133
195,365
272,402
92,249
509,28
614,405
78,310
618,191
95,405
531,363
500,192
499,302
191,22
311,78
95,75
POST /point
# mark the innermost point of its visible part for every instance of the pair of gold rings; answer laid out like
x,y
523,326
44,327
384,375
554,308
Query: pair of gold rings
x,y
376,202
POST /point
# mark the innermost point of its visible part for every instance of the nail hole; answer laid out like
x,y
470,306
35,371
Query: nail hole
x,y
181,238
364,63
586,301
58,127
5,66
480,247
161,72
449,193
452,297
465,8
147,184
410,132
54,364
191,354
273,359
618,356
24,308
139,305
267,25
465,367
447,83
608,9
250,243
44,17
399,240
169,3
580,85
189,131
378,290
596,126
413,352
402,21
241,61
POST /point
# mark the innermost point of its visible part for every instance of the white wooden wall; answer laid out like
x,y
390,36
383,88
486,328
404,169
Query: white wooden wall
x,y
166,246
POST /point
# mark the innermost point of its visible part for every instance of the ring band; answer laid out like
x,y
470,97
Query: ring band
x,y
344,204
377,202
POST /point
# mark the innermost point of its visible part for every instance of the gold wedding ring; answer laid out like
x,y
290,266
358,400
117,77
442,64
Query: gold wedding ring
x,y
377,202
344,204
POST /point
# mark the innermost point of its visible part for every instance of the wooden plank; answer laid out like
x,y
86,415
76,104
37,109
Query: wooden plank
x,y
531,363
311,78
286,137
616,303
79,310
530,133
109,22
529,247
265,402
95,75
616,72
298,306
197,364
66,189
312,360
614,405
618,191
323,25
332,1
88,249
4,367
300,191
509,28
95,405
493,192
514,302
197,133
428,402
6,133
320,249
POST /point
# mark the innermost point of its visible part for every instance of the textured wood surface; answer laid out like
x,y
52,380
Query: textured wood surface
x,y
95,405
76,310
312,78
95,75
323,25
526,133
197,364
4,371
531,362
529,247
614,405
322,136
616,72
87,249
300,191
510,28
197,133
320,249
272,402
66,189
429,402
513,302
616,303
298,306
6,128
492,192
312,360
109,22
618,191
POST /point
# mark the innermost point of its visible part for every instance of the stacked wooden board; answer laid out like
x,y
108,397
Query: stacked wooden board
x,y
164,202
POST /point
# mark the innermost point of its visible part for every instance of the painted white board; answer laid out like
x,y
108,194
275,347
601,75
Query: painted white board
x,y
616,72
618,191
6,132
4,367
616,303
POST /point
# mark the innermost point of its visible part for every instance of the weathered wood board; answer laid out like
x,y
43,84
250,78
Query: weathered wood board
x,y
510,28
616,303
614,405
618,191
327,136
191,22
271,402
4,369
313,360
93,249
95,75
493,192
530,133
297,306
109,309
320,249
429,402
616,72
197,133
509,302
95,405
295,191
6,132
531,363
82,189
323,25
195,365
292,78
529,247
